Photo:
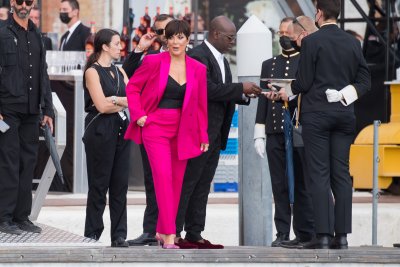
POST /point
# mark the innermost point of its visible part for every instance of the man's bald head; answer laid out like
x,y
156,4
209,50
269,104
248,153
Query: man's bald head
x,y
300,28
304,23
222,23
222,34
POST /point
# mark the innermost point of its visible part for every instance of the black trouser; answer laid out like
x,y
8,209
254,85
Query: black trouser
x,y
18,155
327,138
195,189
107,156
151,212
303,224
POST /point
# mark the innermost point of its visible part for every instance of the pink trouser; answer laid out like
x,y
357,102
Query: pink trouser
x,y
159,136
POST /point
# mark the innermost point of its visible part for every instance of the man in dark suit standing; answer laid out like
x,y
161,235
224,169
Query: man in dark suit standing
x,y
332,74
222,97
75,38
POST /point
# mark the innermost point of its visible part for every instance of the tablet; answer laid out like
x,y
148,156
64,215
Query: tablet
x,y
272,80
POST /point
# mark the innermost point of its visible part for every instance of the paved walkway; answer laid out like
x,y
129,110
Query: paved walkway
x,y
222,224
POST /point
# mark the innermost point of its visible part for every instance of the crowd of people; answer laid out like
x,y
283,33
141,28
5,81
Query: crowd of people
x,y
181,103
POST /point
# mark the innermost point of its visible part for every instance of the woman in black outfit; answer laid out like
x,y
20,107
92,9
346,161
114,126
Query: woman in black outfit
x,y
107,153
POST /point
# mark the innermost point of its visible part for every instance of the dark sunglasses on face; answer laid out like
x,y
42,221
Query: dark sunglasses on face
x,y
230,37
27,2
159,31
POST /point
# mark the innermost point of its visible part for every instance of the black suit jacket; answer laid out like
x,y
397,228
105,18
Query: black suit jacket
x,y
330,59
77,40
222,97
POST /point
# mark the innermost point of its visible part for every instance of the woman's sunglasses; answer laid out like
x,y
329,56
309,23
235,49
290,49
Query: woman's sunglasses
x,y
159,31
27,2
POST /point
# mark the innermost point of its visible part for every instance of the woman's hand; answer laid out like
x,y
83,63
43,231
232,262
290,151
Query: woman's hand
x,y
204,147
141,121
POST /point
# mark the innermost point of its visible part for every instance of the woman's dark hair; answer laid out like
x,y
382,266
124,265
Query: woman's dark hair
x,y
177,26
331,8
102,37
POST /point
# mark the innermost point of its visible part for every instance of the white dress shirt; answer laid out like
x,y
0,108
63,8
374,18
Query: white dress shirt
x,y
219,57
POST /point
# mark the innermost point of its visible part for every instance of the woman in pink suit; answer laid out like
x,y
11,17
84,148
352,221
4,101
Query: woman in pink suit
x,y
167,98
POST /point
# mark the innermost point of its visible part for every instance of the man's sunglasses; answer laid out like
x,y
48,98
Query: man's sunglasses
x,y
231,38
159,31
27,2
298,22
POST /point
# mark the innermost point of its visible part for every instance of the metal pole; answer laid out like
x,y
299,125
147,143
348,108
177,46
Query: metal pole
x,y
372,27
375,193
195,21
342,15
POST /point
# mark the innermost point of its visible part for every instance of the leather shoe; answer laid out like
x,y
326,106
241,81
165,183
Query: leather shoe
x,y
279,238
120,243
10,228
339,242
321,242
295,243
28,226
144,239
205,244
184,244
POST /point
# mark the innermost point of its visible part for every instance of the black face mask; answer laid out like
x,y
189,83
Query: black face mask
x,y
295,46
64,17
285,43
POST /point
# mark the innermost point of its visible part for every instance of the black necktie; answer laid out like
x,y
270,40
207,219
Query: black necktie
x,y
64,40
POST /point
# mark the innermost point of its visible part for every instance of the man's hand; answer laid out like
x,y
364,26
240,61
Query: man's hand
x,y
282,95
49,121
259,145
251,89
141,121
1,117
146,41
333,95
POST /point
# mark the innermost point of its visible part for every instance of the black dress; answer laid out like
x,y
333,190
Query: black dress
x,y
107,157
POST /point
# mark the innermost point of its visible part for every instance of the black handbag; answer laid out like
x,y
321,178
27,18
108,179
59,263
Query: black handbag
x,y
297,129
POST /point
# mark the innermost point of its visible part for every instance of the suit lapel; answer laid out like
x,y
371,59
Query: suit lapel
x,y
228,74
214,62
189,81
164,71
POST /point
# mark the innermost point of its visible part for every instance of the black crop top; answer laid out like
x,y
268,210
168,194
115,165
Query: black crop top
x,y
173,95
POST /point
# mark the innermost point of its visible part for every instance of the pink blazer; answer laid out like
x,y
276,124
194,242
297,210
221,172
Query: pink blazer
x,y
145,91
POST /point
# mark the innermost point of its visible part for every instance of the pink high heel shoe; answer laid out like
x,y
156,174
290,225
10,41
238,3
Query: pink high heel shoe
x,y
165,246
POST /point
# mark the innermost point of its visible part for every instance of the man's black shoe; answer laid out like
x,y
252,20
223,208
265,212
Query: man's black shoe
x,y
28,226
295,243
144,239
339,242
321,242
119,243
279,238
10,228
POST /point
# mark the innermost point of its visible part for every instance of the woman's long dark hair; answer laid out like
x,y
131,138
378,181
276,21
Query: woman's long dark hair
x,y
102,37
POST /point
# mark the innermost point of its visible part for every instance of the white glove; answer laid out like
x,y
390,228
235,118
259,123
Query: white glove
x,y
259,145
333,95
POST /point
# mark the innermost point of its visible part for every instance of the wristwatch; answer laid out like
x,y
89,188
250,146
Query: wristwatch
x,y
114,100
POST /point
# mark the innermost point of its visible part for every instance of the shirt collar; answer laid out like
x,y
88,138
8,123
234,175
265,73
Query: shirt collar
x,y
214,51
73,27
19,27
329,23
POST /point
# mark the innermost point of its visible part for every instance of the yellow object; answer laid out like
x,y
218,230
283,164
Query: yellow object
x,y
361,152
